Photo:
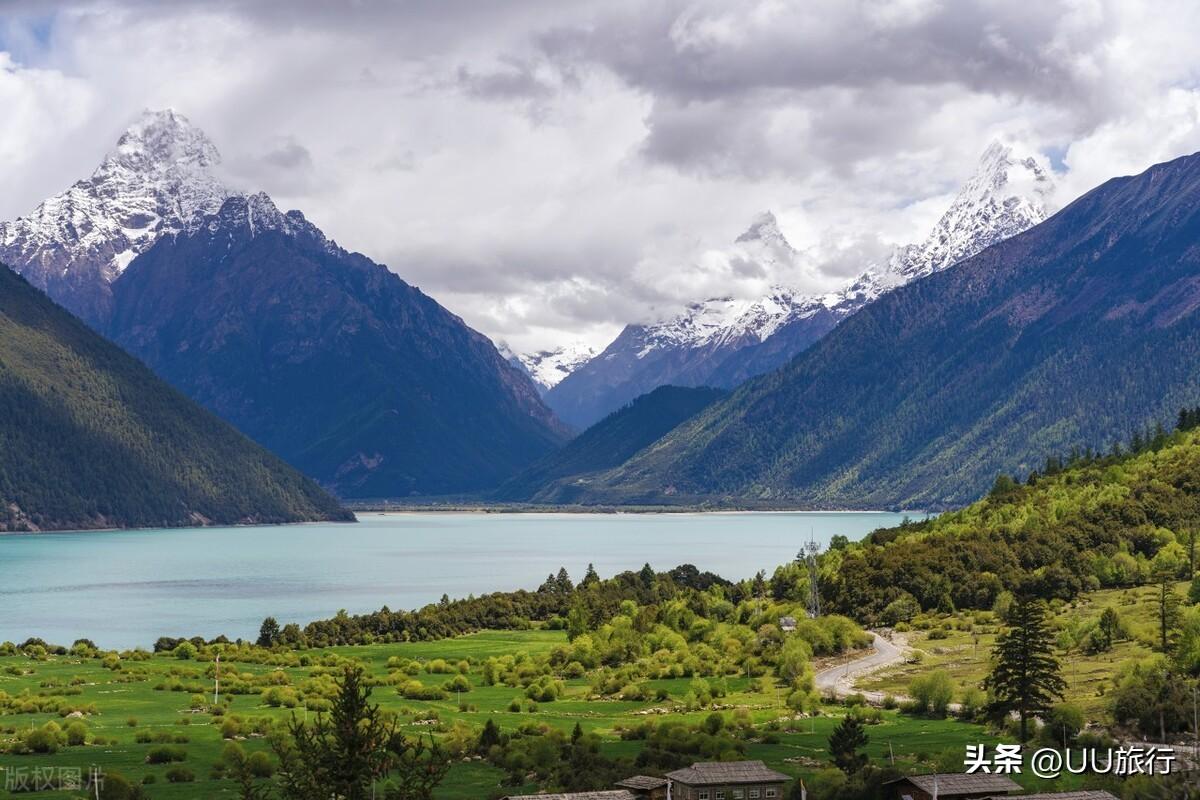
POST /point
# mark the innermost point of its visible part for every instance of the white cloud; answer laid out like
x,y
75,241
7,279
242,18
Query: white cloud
x,y
551,169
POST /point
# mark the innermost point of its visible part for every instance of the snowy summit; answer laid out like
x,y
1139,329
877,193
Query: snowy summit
x,y
158,178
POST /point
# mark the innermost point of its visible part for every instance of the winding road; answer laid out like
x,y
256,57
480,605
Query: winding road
x,y
839,680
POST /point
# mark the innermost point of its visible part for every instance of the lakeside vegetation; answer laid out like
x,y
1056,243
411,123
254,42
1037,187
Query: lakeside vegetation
x,y
1085,522
640,673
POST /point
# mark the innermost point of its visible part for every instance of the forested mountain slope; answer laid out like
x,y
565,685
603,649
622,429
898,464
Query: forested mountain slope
x,y
90,438
556,477
1080,523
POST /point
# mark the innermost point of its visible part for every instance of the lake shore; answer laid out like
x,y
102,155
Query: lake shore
x,y
125,588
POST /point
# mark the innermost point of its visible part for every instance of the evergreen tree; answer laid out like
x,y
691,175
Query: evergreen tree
x,y
844,743
1168,613
591,577
1108,629
562,582
488,738
1026,676
340,754
268,634
647,576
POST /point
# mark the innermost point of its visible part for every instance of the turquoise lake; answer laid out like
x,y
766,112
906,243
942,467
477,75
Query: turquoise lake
x,y
126,588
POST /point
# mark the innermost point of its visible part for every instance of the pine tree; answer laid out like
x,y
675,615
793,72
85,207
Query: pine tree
x,y
1026,676
339,754
1168,613
591,577
562,582
844,743
268,634
489,738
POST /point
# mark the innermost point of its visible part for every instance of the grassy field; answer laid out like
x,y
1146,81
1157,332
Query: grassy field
x,y
961,645
128,705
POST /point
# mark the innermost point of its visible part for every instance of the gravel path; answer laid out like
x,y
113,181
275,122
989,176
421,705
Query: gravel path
x,y
840,680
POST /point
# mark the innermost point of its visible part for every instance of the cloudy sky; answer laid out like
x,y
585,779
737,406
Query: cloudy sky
x,y
552,169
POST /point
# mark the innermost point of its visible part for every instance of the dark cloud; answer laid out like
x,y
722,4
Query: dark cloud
x,y
516,79
288,154
708,49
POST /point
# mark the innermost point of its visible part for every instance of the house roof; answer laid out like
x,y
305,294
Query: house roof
x,y
1086,794
643,782
959,783
618,794
710,773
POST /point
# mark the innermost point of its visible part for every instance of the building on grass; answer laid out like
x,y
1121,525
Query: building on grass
x,y
727,780
617,794
645,787
787,624
953,786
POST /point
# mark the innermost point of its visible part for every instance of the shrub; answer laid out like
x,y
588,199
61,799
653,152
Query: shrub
x,y
166,754
76,734
230,728
260,765
458,683
180,774
43,740
932,693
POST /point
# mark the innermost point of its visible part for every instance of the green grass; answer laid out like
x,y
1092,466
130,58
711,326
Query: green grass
x,y
916,743
966,650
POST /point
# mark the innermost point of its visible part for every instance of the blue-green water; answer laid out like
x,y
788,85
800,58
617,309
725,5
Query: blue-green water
x,y
127,588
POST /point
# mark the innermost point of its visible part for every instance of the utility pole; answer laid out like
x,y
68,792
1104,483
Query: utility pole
x,y
217,683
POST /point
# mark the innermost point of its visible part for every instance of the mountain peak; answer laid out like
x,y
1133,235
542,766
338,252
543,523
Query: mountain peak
x,y
156,181
764,232
1008,193
548,367
163,139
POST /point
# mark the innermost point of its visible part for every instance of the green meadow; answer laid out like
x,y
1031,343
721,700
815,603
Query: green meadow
x,y
150,704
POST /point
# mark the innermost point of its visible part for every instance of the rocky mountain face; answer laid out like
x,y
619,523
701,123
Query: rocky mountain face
x,y
93,439
725,341
75,244
325,357
1071,334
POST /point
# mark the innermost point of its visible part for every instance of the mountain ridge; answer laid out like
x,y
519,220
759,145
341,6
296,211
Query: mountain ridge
x,y
1080,326
723,341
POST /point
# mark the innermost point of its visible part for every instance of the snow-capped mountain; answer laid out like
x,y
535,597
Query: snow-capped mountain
x,y
547,367
725,341
157,179
322,355
723,322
